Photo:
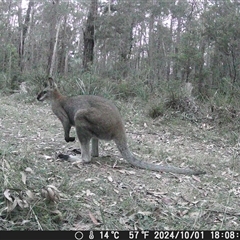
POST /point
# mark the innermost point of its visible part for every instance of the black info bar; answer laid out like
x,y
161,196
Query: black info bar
x,y
119,235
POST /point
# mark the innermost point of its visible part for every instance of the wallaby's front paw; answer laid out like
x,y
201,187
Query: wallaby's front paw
x,y
70,139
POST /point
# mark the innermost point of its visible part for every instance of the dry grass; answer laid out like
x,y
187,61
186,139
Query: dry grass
x,y
39,192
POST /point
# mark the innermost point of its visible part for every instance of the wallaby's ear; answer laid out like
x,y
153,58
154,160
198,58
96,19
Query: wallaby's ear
x,y
52,84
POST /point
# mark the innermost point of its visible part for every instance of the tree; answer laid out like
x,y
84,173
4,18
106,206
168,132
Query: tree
x,y
23,31
222,20
54,33
147,41
89,36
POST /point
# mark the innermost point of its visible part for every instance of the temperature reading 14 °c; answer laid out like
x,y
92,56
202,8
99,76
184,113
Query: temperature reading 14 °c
x,y
109,234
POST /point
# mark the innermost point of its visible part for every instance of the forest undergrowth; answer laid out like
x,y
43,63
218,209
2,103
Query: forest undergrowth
x,y
40,192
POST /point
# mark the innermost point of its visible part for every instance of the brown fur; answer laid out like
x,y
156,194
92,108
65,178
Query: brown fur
x,y
96,118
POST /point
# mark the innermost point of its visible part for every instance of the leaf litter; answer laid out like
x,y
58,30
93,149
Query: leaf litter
x,y
109,193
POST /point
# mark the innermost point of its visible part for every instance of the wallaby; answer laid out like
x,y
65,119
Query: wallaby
x,y
96,118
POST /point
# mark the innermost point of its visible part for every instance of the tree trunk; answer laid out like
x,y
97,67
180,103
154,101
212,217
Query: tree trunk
x,y
62,52
177,43
7,38
66,63
53,25
202,47
169,52
88,37
151,50
23,32
54,50
20,27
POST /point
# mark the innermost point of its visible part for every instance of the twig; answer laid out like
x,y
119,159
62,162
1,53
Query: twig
x,y
36,218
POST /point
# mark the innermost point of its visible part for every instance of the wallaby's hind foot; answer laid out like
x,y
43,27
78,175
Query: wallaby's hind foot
x,y
83,155
74,159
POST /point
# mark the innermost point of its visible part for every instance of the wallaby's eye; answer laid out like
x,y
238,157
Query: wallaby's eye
x,y
44,92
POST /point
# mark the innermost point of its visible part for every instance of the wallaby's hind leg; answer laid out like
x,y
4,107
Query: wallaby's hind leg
x,y
95,152
85,145
83,122
85,148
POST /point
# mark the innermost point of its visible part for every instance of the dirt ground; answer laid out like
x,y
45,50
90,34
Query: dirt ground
x,y
41,192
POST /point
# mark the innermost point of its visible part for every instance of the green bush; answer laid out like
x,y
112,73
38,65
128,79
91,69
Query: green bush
x,y
156,110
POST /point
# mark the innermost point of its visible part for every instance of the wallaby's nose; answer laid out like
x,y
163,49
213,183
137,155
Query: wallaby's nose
x,y
39,96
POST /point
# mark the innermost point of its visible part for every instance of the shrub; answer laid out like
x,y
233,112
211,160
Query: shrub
x,y
156,110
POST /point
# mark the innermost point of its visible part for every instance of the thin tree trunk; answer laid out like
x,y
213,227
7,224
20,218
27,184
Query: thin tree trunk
x,y
31,46
202,50
7,37
54,50
23,31
151,50
170,52
53,25
66,64
176,64
20,27
63,48
88,37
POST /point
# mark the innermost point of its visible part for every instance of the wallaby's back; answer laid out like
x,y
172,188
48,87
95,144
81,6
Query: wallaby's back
x,y
101,117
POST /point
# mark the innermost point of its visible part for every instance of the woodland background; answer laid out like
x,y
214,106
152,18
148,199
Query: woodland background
x,y
129,48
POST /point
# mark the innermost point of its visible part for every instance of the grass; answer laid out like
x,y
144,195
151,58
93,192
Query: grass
x,y
109,193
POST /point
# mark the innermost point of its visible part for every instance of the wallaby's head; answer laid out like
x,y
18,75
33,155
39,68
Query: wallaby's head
x,y
48,91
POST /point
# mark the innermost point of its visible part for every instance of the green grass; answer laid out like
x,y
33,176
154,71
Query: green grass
x,y
109,193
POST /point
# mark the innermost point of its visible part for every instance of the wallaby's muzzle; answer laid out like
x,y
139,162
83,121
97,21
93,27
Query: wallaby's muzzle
x,y
41,96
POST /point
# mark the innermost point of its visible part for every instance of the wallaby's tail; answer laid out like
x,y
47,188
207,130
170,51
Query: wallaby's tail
x,y
127,155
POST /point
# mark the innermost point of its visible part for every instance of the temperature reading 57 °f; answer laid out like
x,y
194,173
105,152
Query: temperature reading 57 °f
x,y
133,234
136,234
